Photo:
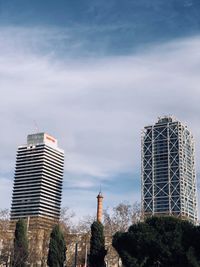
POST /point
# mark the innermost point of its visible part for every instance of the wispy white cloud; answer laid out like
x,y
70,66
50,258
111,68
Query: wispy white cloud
x,y
96,107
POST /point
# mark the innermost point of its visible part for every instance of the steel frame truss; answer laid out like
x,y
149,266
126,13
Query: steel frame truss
x,y
168,171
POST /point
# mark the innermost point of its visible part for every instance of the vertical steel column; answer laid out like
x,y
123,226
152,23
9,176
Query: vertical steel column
x,y
169,175
153,183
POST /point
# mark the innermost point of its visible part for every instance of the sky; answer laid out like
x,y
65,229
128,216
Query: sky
x,y
93,74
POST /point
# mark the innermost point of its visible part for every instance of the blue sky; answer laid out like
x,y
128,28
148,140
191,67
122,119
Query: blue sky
x,y
93,74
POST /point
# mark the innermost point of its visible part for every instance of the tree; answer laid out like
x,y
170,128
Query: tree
x,y
84,225
4,220
97,246
167,241
20,244
57,248
6,239
65,222
79,233
121,217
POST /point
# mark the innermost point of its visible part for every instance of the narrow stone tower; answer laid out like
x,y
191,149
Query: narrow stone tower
x,y
99,207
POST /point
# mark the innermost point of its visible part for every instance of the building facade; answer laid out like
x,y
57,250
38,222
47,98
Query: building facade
x,y
168,170
38,179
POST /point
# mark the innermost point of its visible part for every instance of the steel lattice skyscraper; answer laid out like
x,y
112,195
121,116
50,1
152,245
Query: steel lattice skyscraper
x,y
168,170
38,181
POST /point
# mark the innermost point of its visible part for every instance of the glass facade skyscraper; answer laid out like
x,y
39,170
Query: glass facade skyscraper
x,y
168,170
38,181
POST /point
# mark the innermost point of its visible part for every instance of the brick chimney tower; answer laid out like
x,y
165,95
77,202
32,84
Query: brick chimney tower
x,y
99,207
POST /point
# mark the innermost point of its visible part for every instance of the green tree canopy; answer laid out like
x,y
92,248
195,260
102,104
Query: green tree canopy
x,y
97,246
159,241
57,248
20,244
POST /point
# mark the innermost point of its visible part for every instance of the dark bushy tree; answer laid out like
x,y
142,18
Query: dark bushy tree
x,y
57,248
164,241
20,244
97,246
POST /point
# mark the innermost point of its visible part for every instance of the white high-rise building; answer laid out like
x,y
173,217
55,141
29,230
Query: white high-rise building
x,y
168,170
38,181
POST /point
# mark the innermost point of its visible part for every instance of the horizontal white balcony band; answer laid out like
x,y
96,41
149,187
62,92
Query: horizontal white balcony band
x,y
38,189
27,163
24,157
45,148
38,175
52,182
38,170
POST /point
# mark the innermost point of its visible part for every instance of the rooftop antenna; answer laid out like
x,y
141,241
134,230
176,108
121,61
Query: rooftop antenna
x,y
36,126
